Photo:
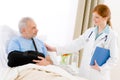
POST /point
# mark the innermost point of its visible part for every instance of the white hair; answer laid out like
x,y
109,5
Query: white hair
x,y
23,22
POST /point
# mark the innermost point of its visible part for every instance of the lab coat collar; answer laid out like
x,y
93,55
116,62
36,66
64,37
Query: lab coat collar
x,y
106,29
105,33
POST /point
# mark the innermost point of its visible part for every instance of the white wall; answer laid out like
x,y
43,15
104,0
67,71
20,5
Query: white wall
x,y
55,18
114,6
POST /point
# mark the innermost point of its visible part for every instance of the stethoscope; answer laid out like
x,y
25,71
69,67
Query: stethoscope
x,y
89,36
106,36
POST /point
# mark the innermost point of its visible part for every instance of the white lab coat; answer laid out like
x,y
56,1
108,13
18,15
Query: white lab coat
x,y
89,45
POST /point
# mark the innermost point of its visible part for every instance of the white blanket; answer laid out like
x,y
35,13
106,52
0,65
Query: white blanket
x,y
13,73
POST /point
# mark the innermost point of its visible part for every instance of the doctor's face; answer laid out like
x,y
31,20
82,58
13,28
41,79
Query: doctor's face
x,y
99,20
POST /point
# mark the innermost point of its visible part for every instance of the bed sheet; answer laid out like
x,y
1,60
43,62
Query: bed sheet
x,y
35,72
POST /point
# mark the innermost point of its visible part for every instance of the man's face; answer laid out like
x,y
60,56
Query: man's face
x,y
31,29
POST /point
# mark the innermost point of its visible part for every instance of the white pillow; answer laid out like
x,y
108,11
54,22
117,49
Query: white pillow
x,y
6,33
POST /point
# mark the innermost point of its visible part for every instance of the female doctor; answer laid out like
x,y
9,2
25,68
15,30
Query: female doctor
x,y
101,35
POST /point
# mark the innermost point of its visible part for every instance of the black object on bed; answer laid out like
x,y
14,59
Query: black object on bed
x,y
18,58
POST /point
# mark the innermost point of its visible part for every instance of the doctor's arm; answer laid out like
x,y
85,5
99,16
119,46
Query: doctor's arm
x,y
73,46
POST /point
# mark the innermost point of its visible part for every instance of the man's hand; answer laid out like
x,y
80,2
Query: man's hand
x,y
42,61
96,66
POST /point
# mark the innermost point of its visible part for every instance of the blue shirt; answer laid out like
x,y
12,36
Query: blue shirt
x,y
21,44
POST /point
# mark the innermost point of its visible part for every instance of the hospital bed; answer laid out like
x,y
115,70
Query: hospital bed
x,y
32,71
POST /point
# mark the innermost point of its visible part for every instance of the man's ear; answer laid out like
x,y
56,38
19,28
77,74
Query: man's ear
x,y
22,30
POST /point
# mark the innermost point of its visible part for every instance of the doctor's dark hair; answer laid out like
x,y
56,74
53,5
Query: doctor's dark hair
x,y
23,22
104,11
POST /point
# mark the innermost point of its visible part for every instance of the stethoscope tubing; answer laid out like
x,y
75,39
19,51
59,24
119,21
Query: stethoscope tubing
x,y
106,36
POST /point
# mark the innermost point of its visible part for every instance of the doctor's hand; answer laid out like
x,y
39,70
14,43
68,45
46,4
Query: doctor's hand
x,y
96,66
50,48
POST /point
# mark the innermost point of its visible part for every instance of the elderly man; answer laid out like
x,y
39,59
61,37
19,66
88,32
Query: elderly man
x,y
27,42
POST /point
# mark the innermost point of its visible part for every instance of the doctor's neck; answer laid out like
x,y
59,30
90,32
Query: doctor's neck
x,y
101,27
